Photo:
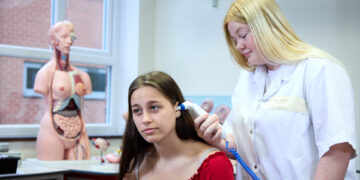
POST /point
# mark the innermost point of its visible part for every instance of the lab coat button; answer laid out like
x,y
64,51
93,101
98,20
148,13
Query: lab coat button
x,y
255,166
251,131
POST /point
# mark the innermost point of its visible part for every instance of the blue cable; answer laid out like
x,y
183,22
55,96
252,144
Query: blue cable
x,y
241,161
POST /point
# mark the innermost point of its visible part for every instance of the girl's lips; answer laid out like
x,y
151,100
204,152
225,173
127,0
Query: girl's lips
x,y
148,130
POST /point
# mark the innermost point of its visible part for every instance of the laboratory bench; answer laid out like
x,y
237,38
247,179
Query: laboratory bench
x,y
33,169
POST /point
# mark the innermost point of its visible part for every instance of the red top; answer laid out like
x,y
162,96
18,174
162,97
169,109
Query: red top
x,y
216,166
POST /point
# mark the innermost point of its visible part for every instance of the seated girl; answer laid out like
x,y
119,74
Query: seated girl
x,y
161,142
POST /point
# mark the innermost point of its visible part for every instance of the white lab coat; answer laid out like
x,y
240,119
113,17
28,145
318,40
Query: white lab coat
x,y
282,133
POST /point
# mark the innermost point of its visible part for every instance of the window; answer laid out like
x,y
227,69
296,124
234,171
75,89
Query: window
x,y
24,48
25,23
30,70
78,13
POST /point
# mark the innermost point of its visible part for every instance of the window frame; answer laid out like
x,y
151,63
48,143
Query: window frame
x,y
117,14
98,95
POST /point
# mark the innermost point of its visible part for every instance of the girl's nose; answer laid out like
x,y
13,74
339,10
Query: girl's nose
x,y
146,117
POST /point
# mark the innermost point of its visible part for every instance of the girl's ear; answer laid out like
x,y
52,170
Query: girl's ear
x,y
176,105
178,114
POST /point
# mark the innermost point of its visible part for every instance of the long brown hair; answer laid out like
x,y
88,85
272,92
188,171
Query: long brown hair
x,y
134,145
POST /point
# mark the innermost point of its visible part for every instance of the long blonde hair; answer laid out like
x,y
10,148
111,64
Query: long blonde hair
x,y
272,33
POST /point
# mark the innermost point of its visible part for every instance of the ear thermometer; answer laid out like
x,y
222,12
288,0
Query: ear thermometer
x,y
196,111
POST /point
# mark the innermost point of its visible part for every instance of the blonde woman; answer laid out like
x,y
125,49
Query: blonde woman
x,y
292,109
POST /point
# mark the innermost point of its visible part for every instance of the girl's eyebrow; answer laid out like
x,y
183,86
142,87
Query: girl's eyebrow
x,y
149,102
153,101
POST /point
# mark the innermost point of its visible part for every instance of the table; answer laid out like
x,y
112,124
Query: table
x,y
68,169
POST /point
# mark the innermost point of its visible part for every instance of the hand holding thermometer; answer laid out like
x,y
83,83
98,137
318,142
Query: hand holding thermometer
x,y
196,111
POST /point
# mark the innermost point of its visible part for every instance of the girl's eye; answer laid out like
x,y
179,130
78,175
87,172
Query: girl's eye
x,y
136,111
154,107
244,36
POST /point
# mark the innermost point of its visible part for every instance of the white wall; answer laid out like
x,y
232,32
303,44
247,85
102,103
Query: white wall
x,y
189,44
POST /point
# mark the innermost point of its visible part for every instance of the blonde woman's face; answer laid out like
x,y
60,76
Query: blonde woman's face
x,y
153,114
244,40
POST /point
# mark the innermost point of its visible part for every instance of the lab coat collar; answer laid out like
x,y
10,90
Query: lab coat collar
x,y
282,75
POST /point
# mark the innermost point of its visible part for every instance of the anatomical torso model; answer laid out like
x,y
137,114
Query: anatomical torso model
x,y
62,134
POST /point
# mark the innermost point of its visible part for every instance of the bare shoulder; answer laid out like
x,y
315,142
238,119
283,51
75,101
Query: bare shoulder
x,y
207,150
215,158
